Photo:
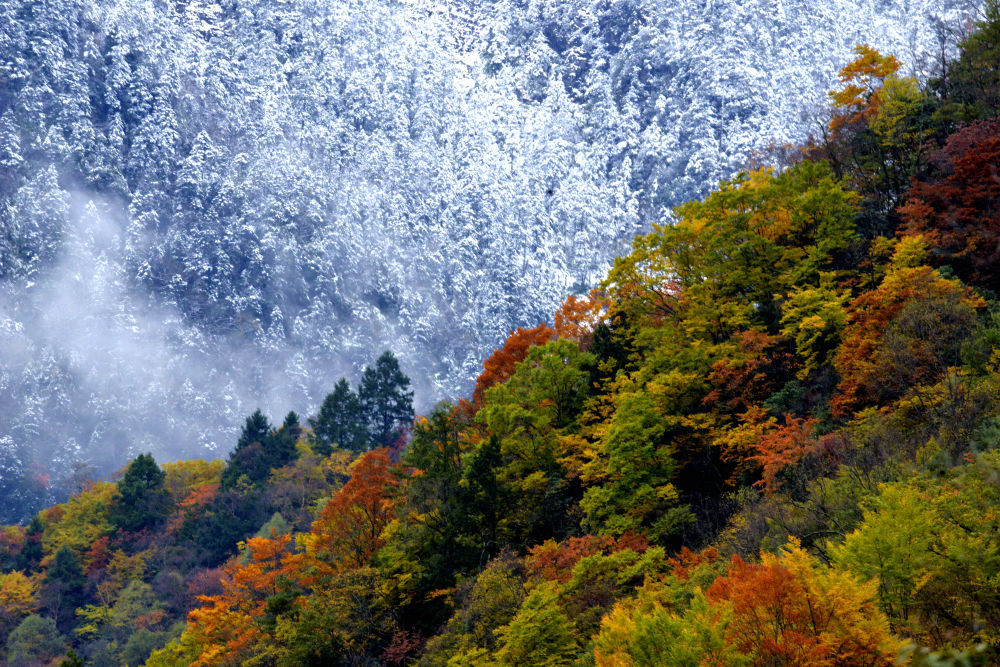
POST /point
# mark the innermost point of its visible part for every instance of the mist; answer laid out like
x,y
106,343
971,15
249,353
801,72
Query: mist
x,y
97,372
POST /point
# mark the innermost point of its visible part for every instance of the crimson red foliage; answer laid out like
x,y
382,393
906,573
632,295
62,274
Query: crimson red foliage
x,y
957,208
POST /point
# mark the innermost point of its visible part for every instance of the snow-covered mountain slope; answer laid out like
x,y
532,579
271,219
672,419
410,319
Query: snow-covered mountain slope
x,y
207,207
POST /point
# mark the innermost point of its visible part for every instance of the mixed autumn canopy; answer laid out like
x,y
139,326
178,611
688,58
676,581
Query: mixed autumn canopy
x,y
768,438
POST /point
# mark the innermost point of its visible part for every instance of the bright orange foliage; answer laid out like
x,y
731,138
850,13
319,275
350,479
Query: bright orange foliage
x,y
761,443
577,316
790,611
751,375
229,628
687,560
349,529
862,79
500,365
228,623
782,448
869,316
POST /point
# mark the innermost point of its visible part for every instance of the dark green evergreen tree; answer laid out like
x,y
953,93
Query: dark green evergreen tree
x,y
212,532
141,500
612,347
261,449
291,426
63,588
974,79
436,493
386,401
339,422
250,457
31,554
484,498
282,444
256,429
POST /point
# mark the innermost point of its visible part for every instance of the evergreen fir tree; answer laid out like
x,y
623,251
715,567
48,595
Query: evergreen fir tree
x,y
63,587
386,401
141,500
250,457
261,449
975,77
339,422
256,429
281,450
31,553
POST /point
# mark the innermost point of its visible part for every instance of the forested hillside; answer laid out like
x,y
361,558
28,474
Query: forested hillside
x,y
770,437
209,207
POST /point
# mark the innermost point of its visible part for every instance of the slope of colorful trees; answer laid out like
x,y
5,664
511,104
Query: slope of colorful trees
x,y
771,437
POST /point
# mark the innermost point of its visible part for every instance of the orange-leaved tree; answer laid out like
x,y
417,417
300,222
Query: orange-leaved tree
x,y
577,317
348,531
554,561
500,365
228,628
792,610
761,443
863,77
903,334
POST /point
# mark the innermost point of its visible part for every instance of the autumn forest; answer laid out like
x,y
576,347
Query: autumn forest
x,y
770,436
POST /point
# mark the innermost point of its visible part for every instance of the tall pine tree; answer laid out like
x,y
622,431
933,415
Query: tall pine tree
x,y
141,500
261,448
386,400
340,422
63,587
